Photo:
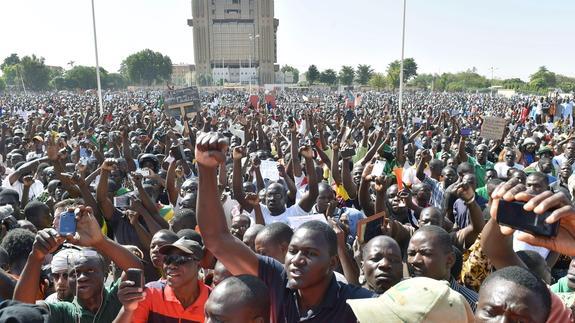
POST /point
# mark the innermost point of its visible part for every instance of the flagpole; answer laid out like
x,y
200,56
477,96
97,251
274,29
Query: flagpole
x,y
97,63
401,64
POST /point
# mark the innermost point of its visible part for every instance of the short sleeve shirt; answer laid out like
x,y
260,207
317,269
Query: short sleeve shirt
x,y
480,170
293,210
284,304
72,312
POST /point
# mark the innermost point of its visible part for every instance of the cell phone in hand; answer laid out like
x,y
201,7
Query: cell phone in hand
x,y
465,132
143,171
348,153
135,275
67,223
122,202
513,215
378,168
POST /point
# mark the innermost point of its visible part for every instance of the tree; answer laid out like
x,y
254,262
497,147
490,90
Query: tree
x,y
2,84
328,76
346,75
35,73
312,74
377,81
115,81
363,74
147,67
422,81
393,71
84,77
542,79
13,59
514,84
293,70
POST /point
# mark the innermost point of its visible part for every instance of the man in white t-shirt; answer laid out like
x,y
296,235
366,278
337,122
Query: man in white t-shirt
x,y
274,209
502,167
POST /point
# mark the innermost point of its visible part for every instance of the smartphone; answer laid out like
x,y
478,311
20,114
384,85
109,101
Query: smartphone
x,y
143,171
122,202
465,132
513,215
348,153
137,276
378,168
67,223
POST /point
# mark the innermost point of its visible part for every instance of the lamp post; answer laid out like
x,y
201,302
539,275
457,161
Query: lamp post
x,y
97,63
253,39
401,64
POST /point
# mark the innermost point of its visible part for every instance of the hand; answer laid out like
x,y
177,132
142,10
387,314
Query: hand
x,y
381,183
335,146
210,149
46,242
564,212
306,152
130,296
367,170
282,170
253,199
109,164
426,156
464,191
238,153
136,178
330,209
338,232
133,216
88,232
28,180
81,167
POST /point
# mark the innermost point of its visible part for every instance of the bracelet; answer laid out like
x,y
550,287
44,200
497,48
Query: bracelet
x,y
470,201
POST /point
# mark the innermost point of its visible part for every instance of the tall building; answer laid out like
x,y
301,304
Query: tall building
x,y
235,40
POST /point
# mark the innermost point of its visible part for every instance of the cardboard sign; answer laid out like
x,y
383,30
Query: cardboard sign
x,y
493,128
255,101
269,170
368,228
296,221
184,101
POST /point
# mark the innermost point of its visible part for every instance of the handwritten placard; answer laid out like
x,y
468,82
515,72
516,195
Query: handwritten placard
x,y
493,128
296,221
269,170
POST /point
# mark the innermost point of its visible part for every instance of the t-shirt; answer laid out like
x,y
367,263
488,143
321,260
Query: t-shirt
x,y
284,303
35,190
502,168
293,210
162,305
72,312
561,286
480,170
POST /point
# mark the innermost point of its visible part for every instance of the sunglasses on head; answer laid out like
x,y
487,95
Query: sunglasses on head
x,y
177,260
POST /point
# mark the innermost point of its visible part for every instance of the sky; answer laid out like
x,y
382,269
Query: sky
x,y
514,37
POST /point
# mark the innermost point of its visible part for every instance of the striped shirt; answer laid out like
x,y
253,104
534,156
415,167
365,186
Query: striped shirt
x,y
437,191
471,296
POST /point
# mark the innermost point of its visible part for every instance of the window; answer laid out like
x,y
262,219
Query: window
x,y
236,1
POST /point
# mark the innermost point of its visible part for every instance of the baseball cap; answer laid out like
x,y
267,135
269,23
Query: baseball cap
x,y
419,299
190,247
39,138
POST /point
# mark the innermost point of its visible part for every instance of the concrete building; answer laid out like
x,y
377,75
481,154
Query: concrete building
x,y
183,75
235,40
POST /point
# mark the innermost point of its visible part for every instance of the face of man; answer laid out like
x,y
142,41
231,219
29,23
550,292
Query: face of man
x,y
481,153
394,200
505,301
425,258
181,269
422,194
570,150
158,240
64,285
445,145
266,247
382,264
571,275
220,307
307,261
490,174
536,184
449,176
565,171
356,175
430,216
239,226
545,165
275,199
510,158
325,196
88,272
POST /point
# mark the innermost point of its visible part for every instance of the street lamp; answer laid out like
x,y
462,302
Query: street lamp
x,y
253,39
401,65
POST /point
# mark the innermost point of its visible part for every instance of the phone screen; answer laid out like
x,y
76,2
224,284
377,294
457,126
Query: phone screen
x,y
67,223
513,215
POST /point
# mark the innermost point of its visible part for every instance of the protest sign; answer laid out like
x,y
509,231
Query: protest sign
x,y
238,132
269,170
296,221
184,101
254,101
367,228
493,128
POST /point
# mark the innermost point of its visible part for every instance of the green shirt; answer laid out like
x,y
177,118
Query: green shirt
x,y
66,312
482,191
480,170
561,286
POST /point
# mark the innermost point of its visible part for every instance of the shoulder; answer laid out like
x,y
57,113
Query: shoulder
x,y
62,311
348,291
271,272
295,210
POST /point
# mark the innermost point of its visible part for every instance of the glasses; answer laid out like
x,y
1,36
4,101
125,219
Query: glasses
x,y
177,260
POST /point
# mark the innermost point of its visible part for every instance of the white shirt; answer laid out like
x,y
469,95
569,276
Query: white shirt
x,y
293,210
502,168
36,189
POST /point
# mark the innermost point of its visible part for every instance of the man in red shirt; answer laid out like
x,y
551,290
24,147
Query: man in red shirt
x,y
182,296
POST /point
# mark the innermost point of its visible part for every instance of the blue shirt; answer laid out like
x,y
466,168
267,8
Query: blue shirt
x,y
284,304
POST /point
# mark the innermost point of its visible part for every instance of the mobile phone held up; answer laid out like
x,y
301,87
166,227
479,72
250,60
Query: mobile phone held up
x,y
135,275
513,215
465,132
67,223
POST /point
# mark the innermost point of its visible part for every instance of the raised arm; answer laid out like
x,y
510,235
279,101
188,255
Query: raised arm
x,y
237,257
467,236
308,200
237,179
102,198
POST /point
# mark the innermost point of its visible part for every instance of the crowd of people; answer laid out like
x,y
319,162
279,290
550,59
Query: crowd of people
x,y
313,206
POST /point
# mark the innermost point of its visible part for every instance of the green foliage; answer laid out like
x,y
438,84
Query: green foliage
x,y
328,76
378,81
513,84
84,77
364,73
312,74
35,73
422,81
204,79
295,71
13,59
346,75
394,69
147,67
2,84
468,80
115,81
543,79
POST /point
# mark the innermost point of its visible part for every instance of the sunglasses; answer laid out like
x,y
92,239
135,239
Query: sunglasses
x,y
177,260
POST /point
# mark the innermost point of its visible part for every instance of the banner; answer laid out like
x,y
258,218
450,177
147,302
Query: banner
x,y
182,101
493,128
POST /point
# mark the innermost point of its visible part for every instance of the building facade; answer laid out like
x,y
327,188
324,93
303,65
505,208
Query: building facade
x,y
183,75
235,40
